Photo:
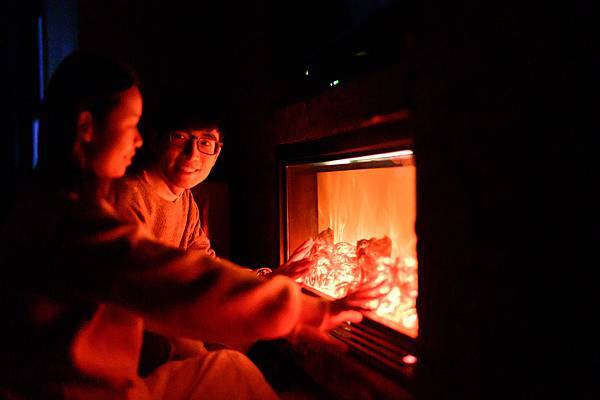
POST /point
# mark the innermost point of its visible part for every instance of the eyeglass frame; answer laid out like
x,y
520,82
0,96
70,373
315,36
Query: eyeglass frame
x,y
218,144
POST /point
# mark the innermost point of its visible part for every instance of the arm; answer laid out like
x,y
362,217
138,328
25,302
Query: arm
x,y
88,255
221,302
197,240
189,295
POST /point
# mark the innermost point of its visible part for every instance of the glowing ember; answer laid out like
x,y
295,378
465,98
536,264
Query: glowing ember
x,y
342,268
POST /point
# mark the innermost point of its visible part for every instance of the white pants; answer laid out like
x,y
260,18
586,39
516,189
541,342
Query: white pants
x,y
215,375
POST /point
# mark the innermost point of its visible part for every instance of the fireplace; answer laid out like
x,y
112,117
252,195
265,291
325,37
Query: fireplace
x,y
356,195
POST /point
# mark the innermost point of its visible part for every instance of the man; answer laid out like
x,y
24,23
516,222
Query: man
x,y
183,152
159,195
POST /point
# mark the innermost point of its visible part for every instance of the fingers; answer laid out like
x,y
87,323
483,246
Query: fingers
x,y
302,251
295,269
351,316
307,244
299,268
361,307
370,292
374,285
364,298
339,313
345,304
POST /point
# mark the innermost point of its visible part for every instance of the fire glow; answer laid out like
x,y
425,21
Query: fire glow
x,y
366,223
342,268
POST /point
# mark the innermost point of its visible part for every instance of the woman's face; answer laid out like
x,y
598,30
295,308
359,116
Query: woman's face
x,y
117,138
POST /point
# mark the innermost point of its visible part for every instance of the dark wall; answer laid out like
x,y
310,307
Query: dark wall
x,y
501,120
34,36
19,92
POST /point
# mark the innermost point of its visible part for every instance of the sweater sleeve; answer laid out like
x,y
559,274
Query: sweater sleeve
x,y
128,201
87,254
214,300
197,240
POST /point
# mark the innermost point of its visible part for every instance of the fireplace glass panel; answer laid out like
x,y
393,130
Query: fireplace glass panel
x,y
346,202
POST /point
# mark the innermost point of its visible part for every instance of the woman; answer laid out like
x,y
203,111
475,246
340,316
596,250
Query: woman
x,y
80,285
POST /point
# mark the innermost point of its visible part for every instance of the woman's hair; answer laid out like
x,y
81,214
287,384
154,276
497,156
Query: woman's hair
x,y
82,82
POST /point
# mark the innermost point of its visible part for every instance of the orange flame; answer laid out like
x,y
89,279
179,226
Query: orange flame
x,y
369,203
338,271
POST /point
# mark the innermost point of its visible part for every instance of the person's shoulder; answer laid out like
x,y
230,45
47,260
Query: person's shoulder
x,y
189,199
129,181
187,195
130,186
131,192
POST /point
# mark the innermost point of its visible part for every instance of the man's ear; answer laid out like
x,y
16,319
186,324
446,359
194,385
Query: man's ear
x,y
85,127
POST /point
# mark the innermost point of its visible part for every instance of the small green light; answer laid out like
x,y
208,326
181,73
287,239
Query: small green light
x,y
335,82
306,72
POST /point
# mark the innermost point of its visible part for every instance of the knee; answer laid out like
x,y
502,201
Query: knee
x,y
235,363
232,357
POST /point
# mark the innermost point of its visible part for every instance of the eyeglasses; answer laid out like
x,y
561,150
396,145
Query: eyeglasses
x,y
204,145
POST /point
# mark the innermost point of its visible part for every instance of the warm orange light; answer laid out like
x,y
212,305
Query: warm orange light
x,y
373,157
366,203
359,204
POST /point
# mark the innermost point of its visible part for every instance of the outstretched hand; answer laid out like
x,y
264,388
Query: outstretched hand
x,y
346,309
298,263
350,307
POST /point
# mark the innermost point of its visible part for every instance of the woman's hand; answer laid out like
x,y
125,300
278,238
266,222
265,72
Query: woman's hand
x,y
350,307
346,309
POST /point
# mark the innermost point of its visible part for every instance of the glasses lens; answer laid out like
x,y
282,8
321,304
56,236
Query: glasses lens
x,y
207,146
179,139
204,145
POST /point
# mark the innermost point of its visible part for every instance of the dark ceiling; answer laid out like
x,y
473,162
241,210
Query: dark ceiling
x,y
254,53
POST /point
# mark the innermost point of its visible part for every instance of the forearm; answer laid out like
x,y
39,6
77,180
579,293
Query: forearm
x,y
214,300
186,294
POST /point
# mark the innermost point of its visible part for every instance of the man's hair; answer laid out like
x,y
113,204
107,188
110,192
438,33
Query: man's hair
x,y
185,118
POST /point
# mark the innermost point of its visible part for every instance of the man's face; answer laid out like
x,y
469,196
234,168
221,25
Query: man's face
x,y
184,165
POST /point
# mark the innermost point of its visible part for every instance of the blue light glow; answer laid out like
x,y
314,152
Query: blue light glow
x,y
40,46
35,130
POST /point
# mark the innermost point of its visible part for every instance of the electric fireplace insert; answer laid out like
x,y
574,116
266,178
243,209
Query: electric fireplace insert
x,y
355,194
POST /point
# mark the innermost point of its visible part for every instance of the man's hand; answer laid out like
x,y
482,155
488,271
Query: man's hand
x,y
298,264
